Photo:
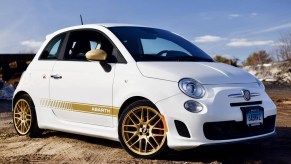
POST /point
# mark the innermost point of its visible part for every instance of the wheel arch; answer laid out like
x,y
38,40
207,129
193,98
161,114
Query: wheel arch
x,y
16,96
130,101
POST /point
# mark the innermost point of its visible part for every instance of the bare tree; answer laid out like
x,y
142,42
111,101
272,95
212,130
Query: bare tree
x,y
285,47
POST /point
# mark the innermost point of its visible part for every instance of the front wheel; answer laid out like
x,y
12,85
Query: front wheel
x,y
142,130
24,117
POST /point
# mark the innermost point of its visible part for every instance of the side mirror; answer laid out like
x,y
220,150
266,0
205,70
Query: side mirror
x,y
99,55
96,55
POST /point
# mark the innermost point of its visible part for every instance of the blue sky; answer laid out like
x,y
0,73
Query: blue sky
x,y
230,28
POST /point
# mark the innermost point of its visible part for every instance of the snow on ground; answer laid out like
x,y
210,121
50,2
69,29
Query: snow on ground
x,y
279,72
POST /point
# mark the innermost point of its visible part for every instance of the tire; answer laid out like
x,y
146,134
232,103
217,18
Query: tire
x,y
142,130
24,117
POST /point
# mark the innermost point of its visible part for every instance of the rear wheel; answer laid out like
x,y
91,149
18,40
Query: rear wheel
x,y
24,117
142,130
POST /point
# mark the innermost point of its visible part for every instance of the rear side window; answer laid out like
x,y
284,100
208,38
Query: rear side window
x,y
53,48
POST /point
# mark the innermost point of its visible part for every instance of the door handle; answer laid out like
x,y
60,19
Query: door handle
x,y
56,76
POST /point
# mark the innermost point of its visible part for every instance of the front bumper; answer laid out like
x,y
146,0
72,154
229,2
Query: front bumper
x,y
218,122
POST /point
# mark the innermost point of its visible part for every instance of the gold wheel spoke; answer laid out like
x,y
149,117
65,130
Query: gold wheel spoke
x,y
27,107
19,107
135,142
22,105
18,125
18,113
17,118
131,137
132,132
158,128
152,144
157,122
136,116
146,145
130,126
132,120
25,126
153,118
155,140
158,135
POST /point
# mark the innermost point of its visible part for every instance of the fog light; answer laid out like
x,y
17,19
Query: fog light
x,y
193,106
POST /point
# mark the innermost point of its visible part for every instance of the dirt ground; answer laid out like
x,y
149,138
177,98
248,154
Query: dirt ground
x,y
58,147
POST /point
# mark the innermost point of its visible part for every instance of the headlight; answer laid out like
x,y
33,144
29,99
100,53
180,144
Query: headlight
x,y
191,88
260,84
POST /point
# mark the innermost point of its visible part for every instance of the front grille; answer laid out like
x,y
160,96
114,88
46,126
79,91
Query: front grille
x,y
246,103
232,129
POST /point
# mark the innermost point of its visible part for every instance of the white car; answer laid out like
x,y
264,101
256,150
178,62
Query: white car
x,y
148,88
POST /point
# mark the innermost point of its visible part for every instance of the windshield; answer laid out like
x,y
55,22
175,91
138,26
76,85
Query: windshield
x,y
149,44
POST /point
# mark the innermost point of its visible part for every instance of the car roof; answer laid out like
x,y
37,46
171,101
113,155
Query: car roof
x,y
106,25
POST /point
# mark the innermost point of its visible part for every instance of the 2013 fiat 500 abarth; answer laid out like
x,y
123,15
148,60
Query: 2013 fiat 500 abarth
x,y
148,88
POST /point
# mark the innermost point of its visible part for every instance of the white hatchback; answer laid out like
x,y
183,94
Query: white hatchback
x,y
148,88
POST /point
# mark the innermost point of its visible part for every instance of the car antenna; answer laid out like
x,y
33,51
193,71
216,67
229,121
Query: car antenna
x,y
81,19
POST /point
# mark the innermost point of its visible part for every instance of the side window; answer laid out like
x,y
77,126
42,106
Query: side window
x,y
82,41
52,49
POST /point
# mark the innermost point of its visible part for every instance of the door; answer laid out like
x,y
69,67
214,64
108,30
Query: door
x,y
81,90
40,70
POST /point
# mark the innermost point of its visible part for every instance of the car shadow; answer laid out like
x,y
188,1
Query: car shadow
x,y
276,149
92,140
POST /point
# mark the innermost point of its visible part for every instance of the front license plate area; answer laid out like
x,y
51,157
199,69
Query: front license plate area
x,y
253,116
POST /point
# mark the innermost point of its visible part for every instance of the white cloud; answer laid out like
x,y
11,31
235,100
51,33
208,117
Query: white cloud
x,y
208,38
248,43
234,15
275,28
279,44
31,43
254,14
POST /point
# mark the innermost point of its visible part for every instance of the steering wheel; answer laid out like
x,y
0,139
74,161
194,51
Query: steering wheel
x,y
162,52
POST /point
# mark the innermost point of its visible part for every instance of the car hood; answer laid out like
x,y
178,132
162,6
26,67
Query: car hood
x,y
204,72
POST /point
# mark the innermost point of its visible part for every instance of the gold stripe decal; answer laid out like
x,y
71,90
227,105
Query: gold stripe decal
x,y
80,107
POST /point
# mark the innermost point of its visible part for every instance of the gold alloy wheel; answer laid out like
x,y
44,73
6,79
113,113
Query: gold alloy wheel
x,y
22,116
143,130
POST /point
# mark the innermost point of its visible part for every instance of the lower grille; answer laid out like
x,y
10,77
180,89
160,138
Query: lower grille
x,y
232,129
246,103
